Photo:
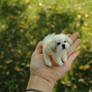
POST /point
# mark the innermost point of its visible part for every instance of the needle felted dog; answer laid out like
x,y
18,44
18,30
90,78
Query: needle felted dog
x,y
56,45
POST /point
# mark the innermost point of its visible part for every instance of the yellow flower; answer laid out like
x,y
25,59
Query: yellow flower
x,y
68,83
8,62
77,24
83,27
27,1
17,68
90,90
70,25
90,62
28,65
79,16
75,86
89,34
29,7
90,81
85,24
79,8
84,67
81,80
40,4
86,15
57,8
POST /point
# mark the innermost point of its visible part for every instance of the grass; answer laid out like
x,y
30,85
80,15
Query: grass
x,y
23,23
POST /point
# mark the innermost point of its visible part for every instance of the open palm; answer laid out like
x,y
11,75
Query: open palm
x,y
52,74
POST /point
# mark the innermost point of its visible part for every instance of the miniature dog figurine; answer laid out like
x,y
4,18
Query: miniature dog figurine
x,y
56,45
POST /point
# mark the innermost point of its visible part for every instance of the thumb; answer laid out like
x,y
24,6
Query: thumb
x,y
38,49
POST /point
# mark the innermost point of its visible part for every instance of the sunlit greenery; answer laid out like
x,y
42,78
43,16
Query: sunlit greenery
x,y
23,23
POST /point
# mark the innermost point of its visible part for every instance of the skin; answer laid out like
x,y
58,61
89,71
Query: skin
x,y
44,78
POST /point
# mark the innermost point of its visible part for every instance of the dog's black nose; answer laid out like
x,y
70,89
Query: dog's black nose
x,y
63,46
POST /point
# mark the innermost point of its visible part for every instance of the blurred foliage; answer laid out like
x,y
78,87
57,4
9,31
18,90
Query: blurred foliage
x,y
25,22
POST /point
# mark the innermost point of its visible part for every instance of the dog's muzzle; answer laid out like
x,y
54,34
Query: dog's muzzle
x,y
63,46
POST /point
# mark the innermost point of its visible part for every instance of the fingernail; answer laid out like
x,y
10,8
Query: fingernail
x,y
78,40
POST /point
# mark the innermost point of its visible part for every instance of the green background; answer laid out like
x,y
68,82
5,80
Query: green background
x,y
23,23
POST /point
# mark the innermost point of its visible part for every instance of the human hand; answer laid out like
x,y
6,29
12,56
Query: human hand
x,y
52,74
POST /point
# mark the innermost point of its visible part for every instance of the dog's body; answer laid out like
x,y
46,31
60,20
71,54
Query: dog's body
x,y
56,45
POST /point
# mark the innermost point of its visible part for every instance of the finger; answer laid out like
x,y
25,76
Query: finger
x,y
39,48
74,36
71,59
74,45
52,60
65,67
68,62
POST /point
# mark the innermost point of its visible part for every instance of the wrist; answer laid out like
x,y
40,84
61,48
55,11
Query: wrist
x,y
36,82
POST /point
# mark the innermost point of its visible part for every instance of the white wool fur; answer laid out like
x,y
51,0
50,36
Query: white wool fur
x,y
53,45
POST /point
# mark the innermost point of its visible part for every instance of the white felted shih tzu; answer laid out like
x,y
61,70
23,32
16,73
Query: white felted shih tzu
x,y
56,45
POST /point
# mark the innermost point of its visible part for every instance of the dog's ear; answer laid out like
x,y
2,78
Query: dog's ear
x,y
69,40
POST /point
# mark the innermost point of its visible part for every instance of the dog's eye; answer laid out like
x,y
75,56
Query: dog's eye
x,y
58,43
65,41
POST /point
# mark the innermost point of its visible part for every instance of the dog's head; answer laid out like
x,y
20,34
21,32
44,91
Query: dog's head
x,y
60,42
